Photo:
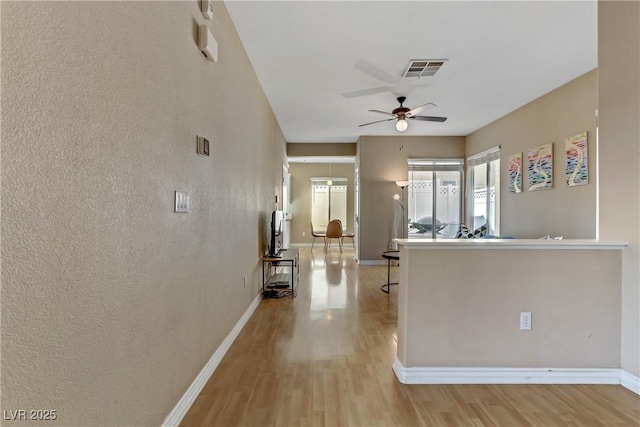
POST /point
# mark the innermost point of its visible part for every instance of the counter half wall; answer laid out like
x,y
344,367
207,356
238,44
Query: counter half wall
x,y
459,306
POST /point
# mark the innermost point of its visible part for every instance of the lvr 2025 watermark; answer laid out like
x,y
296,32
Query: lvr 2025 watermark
x,y
29,414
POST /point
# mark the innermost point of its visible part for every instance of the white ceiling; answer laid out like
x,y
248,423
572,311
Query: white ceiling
x,y
501,55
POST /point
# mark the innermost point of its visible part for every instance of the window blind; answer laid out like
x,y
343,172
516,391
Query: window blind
x,y
323,180
484,157
416,165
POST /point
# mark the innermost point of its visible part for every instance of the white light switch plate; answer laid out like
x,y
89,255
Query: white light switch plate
x,y
182,202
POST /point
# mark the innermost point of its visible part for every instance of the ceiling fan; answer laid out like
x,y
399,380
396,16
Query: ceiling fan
x,y
402,113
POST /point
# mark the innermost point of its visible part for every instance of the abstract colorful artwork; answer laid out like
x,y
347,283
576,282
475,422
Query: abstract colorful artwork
x,y
575,149
515,173
541,167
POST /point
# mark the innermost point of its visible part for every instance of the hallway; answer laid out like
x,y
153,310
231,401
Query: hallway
x,y
324,359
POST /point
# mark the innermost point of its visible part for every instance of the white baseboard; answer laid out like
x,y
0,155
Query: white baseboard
x,y
180,410
630,381
505,375
372,262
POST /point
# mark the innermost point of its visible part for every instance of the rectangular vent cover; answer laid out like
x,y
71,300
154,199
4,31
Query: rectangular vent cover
x,y
423,67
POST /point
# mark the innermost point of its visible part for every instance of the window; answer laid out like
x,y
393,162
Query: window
x,y
483,194
434,197
328,201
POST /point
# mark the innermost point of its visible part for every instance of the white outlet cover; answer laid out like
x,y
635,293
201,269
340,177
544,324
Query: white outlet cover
x,y
182,202
525,321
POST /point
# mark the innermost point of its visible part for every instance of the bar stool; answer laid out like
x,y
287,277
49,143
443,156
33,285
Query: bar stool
x,y
389,255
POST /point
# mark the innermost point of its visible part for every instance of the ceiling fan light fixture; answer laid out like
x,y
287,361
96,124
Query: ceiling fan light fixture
x,y
402,125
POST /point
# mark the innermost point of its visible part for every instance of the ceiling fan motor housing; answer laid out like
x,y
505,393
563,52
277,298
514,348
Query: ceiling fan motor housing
x,y
401,110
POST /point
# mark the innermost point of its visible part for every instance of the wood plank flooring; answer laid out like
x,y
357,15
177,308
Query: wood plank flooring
x,y
324,359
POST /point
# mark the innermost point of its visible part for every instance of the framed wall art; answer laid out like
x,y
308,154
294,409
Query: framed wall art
x,y
515,173
577,161
540,165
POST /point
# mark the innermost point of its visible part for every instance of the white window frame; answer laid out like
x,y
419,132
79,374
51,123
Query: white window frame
x,y
434,166
485,157
324,181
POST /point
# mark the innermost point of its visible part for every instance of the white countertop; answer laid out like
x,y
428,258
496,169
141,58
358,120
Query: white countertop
x,y
509,244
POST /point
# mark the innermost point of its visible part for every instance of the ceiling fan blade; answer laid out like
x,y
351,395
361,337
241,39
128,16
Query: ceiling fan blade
x,y
386,113
377,121
425,107
373,71
365,92
428,118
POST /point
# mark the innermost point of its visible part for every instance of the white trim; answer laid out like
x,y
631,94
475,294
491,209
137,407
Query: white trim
x,y
630,381
505,375
544,244
372,262
180,410
597,162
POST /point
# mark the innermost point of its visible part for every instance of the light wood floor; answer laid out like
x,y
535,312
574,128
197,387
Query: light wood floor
x,y
324,359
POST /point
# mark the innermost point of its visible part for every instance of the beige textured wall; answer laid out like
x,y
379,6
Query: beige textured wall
x,y
562,211
447,320
619,113
301,196
324,149
112,303
383,161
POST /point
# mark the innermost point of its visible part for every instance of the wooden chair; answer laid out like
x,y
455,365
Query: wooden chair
x,y
353,238
334,231
352,235
316,234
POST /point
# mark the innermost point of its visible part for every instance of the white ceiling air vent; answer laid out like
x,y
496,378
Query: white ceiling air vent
x,y
423,67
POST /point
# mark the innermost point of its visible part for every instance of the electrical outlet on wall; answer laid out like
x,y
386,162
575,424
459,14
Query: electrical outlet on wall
x,y
525,321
